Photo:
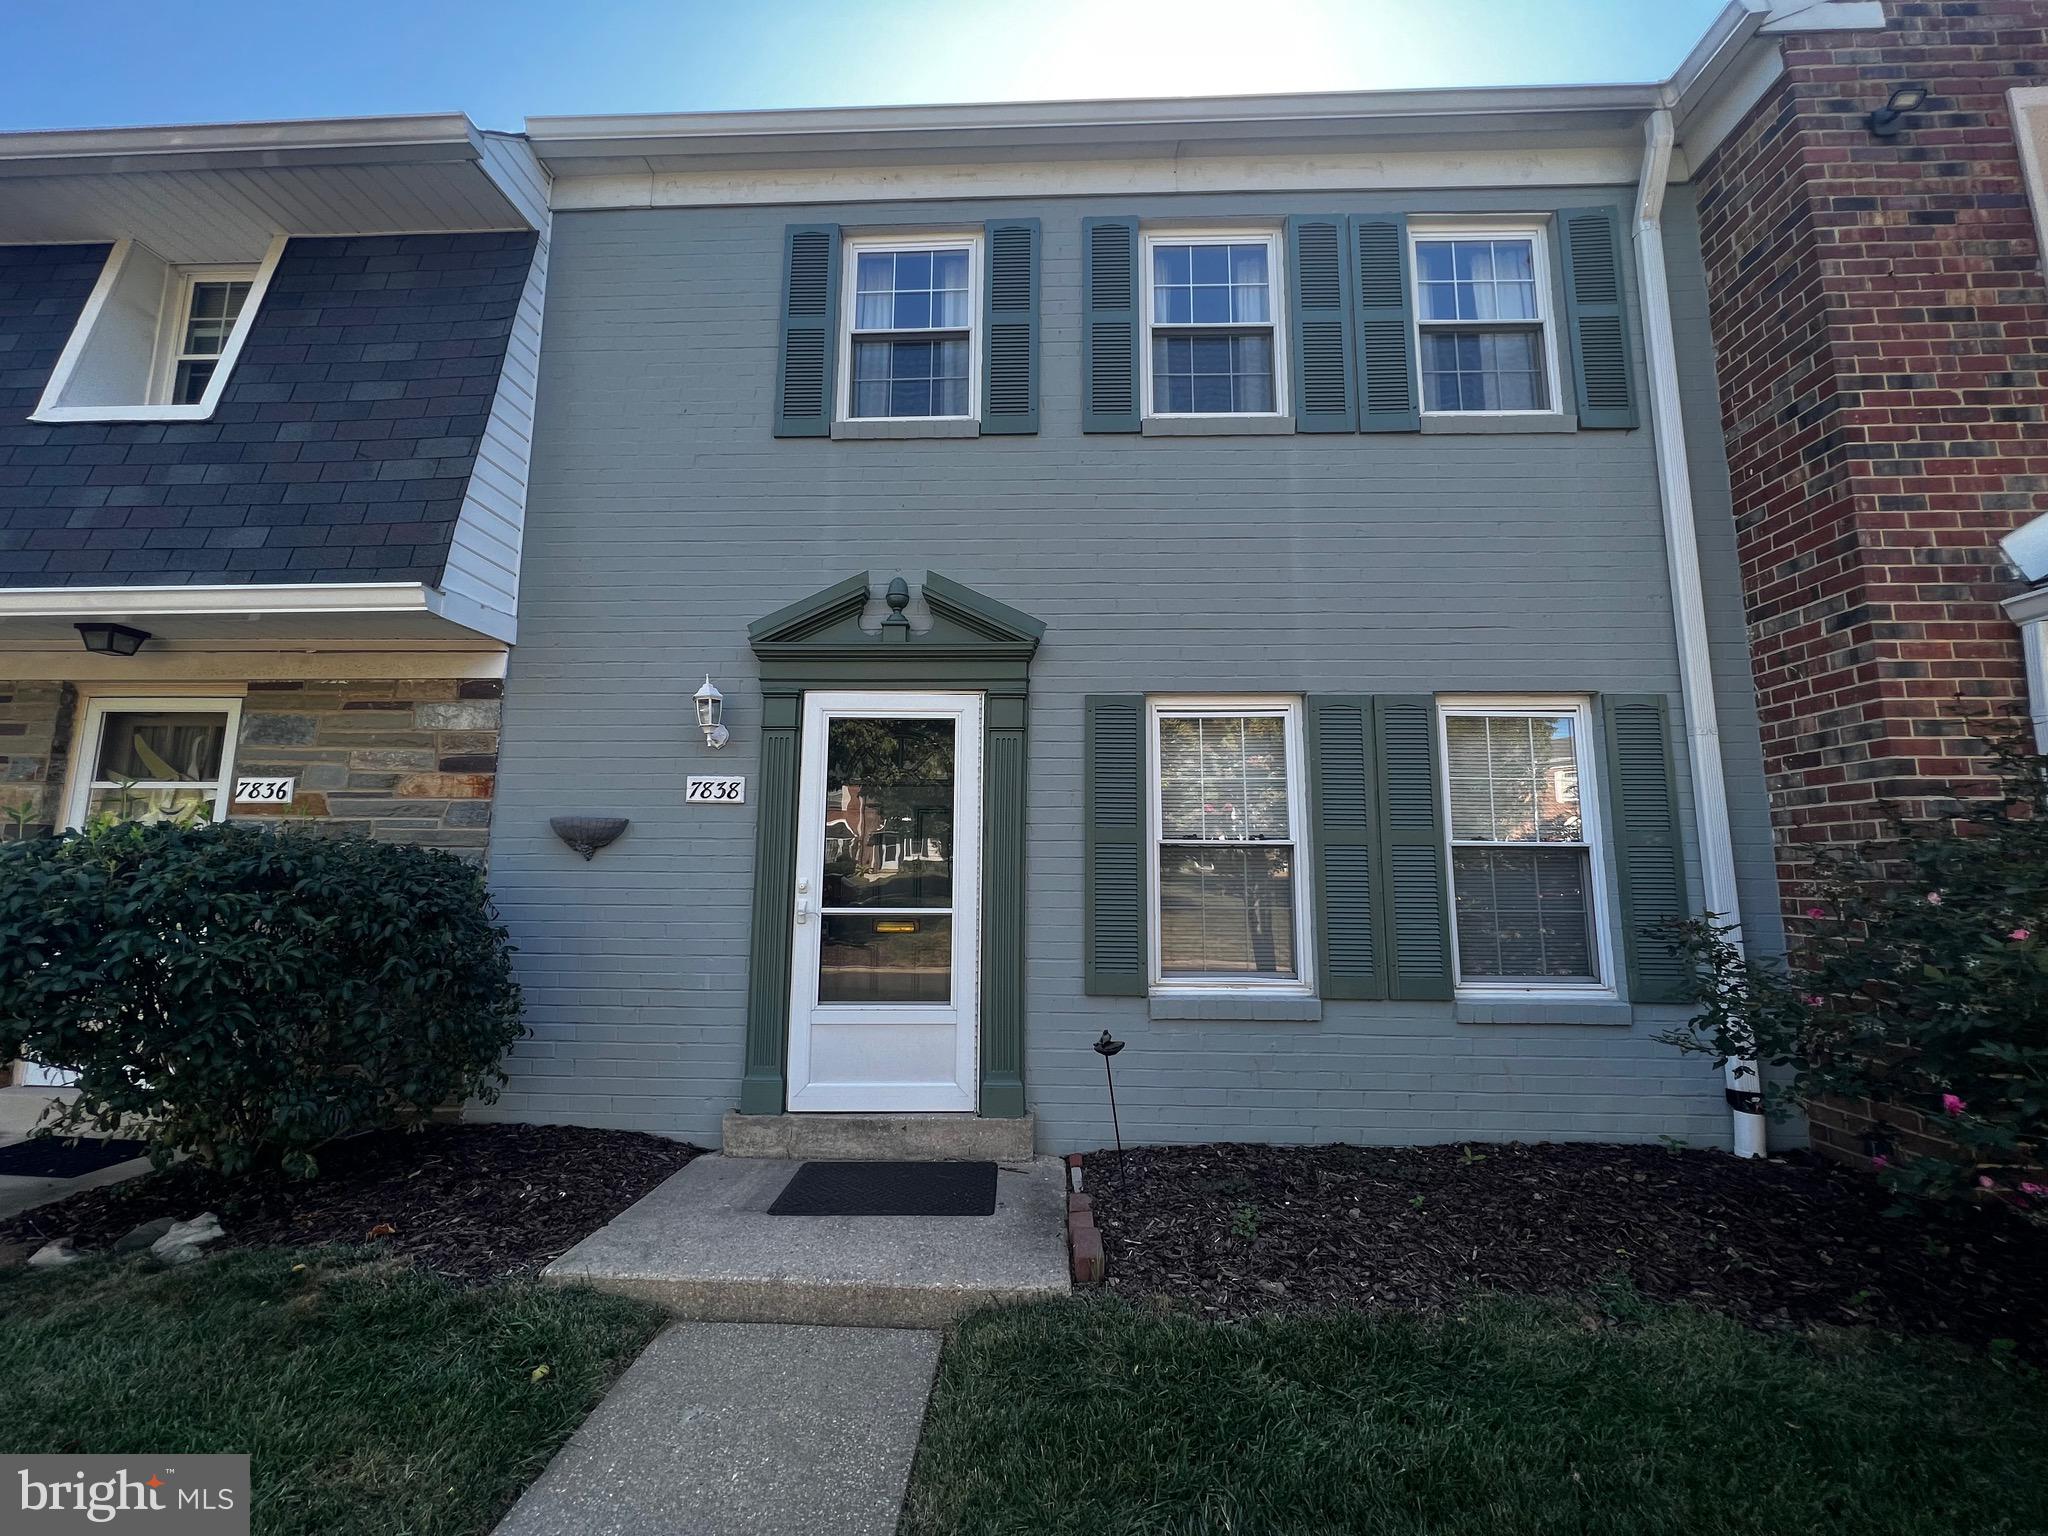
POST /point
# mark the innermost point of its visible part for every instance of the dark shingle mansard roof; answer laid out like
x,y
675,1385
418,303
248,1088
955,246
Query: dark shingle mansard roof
x,y
341,448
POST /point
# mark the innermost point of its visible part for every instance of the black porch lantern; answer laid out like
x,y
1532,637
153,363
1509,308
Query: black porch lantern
x,y
112,639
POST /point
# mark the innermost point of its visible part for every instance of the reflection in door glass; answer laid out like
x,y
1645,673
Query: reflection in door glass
x,y
888,813
903,959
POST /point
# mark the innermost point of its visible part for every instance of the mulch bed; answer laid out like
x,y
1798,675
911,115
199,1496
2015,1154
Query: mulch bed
x,y
1234,1231
475,1203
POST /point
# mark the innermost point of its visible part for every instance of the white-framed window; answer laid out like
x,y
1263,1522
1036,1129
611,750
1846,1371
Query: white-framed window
x,y
157,340
199,319
1229,889
1528,896
910,333
1214,344
145,757
1484,336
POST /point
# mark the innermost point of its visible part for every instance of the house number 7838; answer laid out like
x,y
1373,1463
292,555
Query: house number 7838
x,y
732,791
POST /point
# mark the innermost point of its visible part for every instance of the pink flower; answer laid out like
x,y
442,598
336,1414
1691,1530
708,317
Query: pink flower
x,y
1984,1181
1934,898
2038,1191
2020,935
1814,1000
1880,1161
1952,1105
1815,912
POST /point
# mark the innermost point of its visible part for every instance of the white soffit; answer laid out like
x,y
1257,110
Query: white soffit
x,y
216,193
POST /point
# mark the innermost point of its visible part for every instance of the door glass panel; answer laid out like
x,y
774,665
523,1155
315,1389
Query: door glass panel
x,y
888,814
171,747
897,959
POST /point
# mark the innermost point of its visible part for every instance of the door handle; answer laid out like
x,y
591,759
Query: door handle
x,y
803,911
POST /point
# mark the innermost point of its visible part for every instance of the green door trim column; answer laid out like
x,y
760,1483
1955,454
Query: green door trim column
x,y
973,644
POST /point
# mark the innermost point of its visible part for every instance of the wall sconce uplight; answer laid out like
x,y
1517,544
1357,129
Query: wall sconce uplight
x,y
710,706
112,639
1886,121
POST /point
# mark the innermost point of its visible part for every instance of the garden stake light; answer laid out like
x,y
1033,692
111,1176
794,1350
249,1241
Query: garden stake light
x,y
1106,1048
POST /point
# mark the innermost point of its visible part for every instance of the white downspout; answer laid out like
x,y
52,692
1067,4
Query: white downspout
x,y
1688,600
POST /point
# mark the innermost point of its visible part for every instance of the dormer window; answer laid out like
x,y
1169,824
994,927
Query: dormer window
x,y
209,303
157,340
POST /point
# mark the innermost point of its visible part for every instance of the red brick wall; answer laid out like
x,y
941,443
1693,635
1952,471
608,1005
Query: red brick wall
x,y
1881,324
1882,331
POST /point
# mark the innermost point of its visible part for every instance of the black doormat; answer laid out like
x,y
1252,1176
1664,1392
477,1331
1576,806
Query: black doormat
x,y
51,1157
889,1189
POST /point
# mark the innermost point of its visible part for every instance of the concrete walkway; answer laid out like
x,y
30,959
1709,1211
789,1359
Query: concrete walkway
x,y
728,1429
761,1410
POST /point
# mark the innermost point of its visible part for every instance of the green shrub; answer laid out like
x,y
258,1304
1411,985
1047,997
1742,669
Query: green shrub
x,y
251,994
1918,981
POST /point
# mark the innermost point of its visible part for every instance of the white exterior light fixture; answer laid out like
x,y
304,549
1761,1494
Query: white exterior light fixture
x,y
710,706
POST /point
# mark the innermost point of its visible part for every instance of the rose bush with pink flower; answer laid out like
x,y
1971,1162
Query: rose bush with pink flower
x,y
1914,986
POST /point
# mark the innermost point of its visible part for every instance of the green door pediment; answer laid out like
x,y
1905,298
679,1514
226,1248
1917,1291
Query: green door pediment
x,y
973,643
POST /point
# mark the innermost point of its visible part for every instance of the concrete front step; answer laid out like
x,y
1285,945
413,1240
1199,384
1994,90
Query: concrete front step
x,y
21,1108
880,1138
703,1245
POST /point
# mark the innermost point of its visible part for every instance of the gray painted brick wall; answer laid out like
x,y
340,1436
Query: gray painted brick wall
x,y
663,518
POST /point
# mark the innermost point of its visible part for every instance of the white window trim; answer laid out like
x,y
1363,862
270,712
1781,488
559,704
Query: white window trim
x,y
1276,272
1590,820
1537,232
86,761
1288,707
851,248
47,408
176,314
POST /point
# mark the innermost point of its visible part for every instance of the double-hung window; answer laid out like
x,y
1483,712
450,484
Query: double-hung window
x,y
911,344
148,759
1525,866
1227,886
201,317
1213,345
1482,317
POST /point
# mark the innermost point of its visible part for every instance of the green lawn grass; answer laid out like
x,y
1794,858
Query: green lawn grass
x,y
371,1397
1515,1418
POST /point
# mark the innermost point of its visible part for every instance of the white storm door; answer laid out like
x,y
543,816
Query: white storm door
x,y
884,987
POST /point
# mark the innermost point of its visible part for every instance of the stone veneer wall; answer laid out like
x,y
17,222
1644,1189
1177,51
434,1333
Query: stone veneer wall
x,y
403,762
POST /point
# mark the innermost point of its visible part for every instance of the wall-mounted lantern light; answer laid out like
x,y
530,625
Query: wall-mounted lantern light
x,y
1888,119
710,706
112,639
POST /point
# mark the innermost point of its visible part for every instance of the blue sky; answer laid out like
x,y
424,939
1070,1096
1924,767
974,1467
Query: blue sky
x,y
92,63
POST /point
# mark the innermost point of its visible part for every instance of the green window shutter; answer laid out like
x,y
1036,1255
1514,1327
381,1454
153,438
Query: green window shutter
x,y
1109,392
1117,964
1595,316
1341,758
1649,852
1415,932
1385,327
809,330
1010,379
1320,370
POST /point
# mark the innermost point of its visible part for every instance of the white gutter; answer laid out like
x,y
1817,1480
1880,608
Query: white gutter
x,y
1688,597
252,601
2030,612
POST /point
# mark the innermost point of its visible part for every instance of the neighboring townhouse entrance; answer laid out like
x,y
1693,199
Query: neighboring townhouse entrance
x,y
885,954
